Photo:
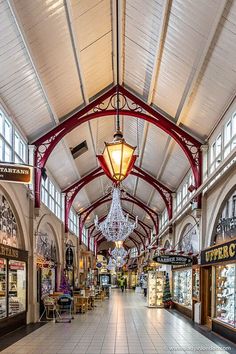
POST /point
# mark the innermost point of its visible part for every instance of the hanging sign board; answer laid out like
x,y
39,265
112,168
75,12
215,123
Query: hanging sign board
x,y
219,253
15,173
173,259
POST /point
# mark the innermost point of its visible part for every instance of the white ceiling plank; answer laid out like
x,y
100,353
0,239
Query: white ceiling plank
x,y
192,80
157,61
27,47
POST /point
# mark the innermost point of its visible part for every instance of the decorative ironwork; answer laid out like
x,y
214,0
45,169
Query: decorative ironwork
x,y
8,225
105,105
45,247
123,103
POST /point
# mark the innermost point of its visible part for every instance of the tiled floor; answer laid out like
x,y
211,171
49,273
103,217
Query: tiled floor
x,y
122,325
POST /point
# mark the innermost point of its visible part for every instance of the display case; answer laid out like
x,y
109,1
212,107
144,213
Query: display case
x,y
225,299
16,287
3,288
196,283
182,287
155,288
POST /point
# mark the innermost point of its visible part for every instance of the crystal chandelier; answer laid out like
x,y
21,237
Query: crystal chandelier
x,y
116,226
119,252
111,264
120,262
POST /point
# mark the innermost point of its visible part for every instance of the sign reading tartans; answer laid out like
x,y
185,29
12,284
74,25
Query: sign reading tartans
x,y
219,253
15,173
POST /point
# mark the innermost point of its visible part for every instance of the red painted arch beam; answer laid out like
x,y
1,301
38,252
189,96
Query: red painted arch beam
x,y
46,144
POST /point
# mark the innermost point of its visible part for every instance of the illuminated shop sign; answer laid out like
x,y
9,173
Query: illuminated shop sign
x,y
15,173
219,253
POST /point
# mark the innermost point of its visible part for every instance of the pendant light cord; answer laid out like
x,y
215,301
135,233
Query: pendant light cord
x,y
117,68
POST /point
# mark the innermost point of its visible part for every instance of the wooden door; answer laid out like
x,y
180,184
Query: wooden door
x,y
206,295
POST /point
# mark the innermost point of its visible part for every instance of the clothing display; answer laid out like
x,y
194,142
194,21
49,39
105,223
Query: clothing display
x,y
182,287
226,294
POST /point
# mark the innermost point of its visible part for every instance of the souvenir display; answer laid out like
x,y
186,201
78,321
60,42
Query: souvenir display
x,y
226,294
182,287
196,284
155,289
3,289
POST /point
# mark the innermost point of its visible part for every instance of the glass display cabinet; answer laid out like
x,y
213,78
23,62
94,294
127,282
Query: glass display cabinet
x,y
155,288
196,283
182,287
225,294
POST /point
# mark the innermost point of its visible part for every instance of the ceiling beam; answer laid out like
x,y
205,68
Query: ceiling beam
x,y
77,57
191,83
157,61
114,39
52,113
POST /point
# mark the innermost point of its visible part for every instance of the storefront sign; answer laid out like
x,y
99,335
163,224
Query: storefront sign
x,y
15,173
173,259
17,266
8,251
44,263
219,253
13,253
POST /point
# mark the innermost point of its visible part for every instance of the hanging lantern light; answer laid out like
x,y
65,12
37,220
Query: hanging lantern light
x,y
118,157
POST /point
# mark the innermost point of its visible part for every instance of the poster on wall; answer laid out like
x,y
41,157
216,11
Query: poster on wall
x,y
8,226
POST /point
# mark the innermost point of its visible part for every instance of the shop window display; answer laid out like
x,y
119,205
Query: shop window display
x,y
196,283
226,294
17,287
155,289
182,287
47,281
3,288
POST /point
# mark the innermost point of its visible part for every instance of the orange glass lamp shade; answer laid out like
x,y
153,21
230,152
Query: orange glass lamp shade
x,y
117,159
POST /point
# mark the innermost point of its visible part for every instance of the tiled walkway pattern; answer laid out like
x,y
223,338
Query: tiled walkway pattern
x,y
122,325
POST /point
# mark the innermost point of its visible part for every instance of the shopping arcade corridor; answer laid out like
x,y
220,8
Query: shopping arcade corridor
x,y
122,324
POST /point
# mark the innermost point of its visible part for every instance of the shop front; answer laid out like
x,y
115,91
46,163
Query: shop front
x,y
182,290
218,273
219,288
13,272
185,278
